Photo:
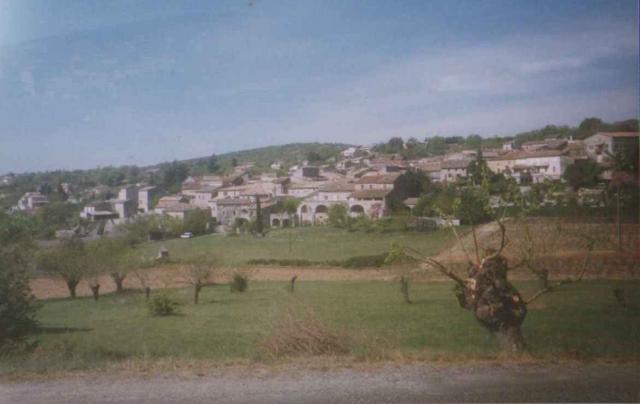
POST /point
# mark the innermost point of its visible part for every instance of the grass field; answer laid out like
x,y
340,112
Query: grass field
x,y
581,320
311,243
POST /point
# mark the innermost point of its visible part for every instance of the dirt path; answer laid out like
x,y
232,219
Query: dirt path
x,y
386,384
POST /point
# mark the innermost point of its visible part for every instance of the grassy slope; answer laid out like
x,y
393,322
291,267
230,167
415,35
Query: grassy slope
x,y
312,243
581,319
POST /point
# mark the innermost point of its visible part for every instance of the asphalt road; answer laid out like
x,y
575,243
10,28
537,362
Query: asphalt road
x,y
385,384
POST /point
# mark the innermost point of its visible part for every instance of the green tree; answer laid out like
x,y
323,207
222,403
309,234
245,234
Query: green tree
x,y
69,261
212,164
173,175
585,173
588,127
314,157
259,223
338,216
17,304
472,205
478,170
57,215
473,142
112,256
436,146
196,221
290,207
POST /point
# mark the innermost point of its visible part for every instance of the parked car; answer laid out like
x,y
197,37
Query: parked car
x,y
186,235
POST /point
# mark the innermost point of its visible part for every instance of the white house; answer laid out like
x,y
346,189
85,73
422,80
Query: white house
x,y
453,169
145,198
541,164
32,201
602,145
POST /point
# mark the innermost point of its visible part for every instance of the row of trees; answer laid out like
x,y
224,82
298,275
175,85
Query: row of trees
x,y
75,260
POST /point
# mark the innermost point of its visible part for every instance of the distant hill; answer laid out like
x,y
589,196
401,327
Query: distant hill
x,y
288,154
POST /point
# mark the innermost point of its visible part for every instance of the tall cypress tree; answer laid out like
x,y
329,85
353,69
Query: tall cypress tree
x,y
259,224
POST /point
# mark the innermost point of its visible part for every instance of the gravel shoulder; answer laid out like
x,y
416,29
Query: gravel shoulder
x,y
382,384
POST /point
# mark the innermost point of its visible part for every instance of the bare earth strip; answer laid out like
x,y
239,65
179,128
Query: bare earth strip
x,y
165,277
385,384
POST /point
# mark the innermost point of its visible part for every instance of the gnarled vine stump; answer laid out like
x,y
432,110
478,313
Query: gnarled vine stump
x,y
494,301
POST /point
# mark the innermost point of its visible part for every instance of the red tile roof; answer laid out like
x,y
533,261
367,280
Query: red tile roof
x,y
371,193
378,179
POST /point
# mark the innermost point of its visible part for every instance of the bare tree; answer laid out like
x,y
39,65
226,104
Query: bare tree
x,y
292,283
94,285
143,279
404,289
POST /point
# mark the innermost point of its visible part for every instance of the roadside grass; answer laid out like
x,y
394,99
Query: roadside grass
x,y
319,243
581,321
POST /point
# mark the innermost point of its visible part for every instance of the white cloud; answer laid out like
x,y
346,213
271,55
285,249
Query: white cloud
x,y
510,86
553,65
28,83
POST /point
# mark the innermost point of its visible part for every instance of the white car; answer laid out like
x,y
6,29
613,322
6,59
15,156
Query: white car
x,y
186,235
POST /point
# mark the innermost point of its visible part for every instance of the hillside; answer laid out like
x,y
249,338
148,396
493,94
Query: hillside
x,y
112,177
288,154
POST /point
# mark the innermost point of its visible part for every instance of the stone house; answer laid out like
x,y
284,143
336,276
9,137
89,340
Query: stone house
x,y
145,198
540,164
237,211
98,211
128,193
32,201
451,170
603,145
314,208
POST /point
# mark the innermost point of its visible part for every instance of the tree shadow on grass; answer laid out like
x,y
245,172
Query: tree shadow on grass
x,y
61,330
424,302
232,301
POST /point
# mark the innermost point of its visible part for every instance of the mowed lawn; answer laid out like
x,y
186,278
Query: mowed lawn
x,y
580,321
320,243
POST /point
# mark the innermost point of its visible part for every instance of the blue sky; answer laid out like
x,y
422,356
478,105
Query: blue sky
x,y
93,83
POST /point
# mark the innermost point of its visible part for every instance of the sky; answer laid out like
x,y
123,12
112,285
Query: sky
x,y
87,83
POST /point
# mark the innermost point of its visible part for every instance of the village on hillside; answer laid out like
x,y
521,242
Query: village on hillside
x,y
365,181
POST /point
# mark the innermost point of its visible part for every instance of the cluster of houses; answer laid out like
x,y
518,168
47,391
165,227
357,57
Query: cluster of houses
x,y
535,160
360,180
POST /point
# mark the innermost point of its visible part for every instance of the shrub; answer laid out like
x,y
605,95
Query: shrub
x,y
338,216
163,305
239,283
365,261
17,306
283,262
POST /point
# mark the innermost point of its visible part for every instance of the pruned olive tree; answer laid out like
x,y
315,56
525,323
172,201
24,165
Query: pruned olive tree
x,y
485,289
142,275
199,273
111,256
69,261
